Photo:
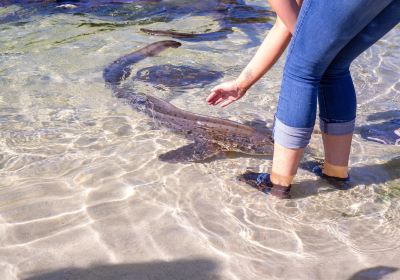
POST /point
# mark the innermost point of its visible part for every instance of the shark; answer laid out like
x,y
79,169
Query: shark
x,y
209,136
193,37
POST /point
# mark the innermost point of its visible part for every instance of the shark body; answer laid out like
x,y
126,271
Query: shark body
x,y
210,135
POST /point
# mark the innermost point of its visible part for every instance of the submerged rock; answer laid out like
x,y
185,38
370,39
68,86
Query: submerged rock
x,y
385,133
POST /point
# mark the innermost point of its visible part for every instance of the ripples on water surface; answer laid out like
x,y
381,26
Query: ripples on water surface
x,y
84,196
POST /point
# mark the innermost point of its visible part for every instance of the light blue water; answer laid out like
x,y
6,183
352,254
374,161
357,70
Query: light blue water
x,y
83,194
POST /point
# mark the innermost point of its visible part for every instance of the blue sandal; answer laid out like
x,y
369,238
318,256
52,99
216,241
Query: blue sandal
x,y
262,182
316,167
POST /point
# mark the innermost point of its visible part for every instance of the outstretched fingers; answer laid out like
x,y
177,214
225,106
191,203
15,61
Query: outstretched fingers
x,y
219,100
224,94
227,102
214,96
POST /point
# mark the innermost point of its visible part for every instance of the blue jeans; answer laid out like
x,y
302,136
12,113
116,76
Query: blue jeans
x,y
329,35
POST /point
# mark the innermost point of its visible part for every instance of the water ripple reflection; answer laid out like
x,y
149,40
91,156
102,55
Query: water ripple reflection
x,y
83,194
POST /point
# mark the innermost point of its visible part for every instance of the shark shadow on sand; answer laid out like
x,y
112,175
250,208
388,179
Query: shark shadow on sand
x,y
210,136
195,269
177,77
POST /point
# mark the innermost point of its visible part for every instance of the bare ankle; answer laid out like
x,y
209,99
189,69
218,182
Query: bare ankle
x,y
335,170
281,180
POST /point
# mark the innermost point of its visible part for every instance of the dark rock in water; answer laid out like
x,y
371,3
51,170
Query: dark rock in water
x,y
385,133
177,76
384,116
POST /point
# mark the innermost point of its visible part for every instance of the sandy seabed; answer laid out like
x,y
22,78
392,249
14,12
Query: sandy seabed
x,y
83,194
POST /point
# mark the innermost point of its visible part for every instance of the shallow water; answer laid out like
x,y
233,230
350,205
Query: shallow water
x,y
83,194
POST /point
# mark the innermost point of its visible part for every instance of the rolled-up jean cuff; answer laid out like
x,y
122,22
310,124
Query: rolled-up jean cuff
x,y
341,128
291,137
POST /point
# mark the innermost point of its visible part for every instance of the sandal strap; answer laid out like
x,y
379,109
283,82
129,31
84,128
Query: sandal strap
x,y
264,184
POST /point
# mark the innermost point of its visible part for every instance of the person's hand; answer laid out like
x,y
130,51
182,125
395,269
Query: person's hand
x,y
226,93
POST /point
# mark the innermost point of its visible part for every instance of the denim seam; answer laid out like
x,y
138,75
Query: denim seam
x,y
322,95
338,128
330,120
299,26
300,21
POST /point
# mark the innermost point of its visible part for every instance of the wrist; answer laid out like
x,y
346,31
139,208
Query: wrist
x,y
245,80
241,85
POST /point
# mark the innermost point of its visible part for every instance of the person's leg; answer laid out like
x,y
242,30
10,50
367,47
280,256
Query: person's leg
x,y
337,97
323,29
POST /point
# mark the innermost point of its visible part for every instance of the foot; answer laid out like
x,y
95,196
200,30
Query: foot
x,y
262,182
316,167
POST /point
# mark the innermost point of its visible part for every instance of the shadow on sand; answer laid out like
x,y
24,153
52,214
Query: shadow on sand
x,y
390,169
196,269
373,273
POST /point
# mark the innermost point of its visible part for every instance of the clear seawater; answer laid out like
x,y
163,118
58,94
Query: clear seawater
x,y
83,194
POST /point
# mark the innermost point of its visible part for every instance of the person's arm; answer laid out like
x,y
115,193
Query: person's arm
x,y
287,11
274,44
269,52
266,56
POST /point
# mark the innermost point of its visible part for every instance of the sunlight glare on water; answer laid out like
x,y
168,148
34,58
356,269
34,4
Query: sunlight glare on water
x,y
83,194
